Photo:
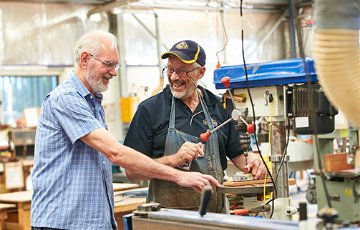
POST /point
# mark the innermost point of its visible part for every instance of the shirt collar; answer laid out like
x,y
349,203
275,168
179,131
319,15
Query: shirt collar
x,y
79,86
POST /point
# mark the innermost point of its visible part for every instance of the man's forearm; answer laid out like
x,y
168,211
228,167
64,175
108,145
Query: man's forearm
x,y
166,160
128,158
239,162
133,176
140,164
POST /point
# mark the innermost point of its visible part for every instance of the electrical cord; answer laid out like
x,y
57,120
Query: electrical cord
x,y
271,200
253,109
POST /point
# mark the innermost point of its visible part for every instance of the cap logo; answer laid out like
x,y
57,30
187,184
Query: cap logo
x,y
182,45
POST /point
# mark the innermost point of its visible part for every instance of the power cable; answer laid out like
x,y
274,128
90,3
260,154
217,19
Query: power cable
x,y
252,106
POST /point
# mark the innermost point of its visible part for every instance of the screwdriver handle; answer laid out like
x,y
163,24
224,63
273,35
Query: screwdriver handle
x,y
205,136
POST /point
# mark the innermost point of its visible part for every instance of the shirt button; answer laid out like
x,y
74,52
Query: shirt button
x,y
103,162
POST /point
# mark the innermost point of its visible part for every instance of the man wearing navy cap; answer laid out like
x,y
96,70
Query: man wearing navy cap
x,y
167,127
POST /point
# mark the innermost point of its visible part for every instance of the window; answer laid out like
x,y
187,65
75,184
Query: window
x,y
20,92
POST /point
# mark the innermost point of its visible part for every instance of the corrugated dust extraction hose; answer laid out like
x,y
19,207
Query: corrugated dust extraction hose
x,y
337,54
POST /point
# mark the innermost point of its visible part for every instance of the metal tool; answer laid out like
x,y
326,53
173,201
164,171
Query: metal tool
x,y
205,136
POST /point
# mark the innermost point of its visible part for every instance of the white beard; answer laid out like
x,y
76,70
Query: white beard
x,y
96,85
188,92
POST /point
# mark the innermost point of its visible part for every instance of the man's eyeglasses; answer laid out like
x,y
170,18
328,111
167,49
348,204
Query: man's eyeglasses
x,y
109,65
180,72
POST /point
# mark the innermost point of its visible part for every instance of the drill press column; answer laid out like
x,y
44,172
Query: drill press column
x,y
278,141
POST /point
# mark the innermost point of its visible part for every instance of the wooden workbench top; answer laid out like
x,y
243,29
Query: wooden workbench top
x,y
124,186
23,196
6,206
128,204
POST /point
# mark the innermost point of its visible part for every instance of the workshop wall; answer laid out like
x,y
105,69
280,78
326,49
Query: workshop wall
x,y
205,28
43,34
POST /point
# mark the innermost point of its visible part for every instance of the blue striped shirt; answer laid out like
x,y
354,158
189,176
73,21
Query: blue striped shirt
x,y
72,182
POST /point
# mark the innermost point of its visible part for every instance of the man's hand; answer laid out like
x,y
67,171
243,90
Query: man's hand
x,y
187,152
196,180
255,165
257,168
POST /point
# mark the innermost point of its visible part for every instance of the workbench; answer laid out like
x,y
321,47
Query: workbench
x,y
21,201
126,204
124,186
3,213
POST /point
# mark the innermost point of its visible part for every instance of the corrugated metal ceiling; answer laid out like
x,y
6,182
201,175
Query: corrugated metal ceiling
x,y
226,3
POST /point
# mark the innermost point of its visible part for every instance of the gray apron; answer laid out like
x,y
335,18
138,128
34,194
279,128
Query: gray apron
x,y
171,195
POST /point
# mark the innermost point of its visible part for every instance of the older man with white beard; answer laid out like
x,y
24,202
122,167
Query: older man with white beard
x,y
72,178
183,111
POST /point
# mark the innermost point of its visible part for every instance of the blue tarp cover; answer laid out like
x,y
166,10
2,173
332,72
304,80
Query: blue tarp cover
x,y
283,72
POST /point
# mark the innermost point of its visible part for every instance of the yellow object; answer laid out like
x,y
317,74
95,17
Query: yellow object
x,y
264,192
348,192
128,106
267,160
344,133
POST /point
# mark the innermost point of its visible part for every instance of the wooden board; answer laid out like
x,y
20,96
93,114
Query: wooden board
x,y
23,196
336,162
244,183
235,97
129,204
292,181
124,186
6,206
125,207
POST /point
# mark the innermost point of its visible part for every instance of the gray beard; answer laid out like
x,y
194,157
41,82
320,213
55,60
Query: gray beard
x,y
96,86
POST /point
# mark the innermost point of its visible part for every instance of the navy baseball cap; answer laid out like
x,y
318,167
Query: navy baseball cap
x,y
188,52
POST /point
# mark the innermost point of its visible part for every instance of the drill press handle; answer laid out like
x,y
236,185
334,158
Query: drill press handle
x,y
205,199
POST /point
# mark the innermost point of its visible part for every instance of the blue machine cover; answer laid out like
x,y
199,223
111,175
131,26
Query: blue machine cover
x,y
283,72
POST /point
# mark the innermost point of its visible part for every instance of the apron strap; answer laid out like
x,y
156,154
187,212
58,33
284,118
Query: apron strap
x,y
172,114
205,109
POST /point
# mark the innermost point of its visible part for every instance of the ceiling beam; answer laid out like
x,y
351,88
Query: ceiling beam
x,y
109,6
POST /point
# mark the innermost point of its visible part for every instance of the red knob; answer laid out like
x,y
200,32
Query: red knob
x,y
241,212
250,128
205,136
226,82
